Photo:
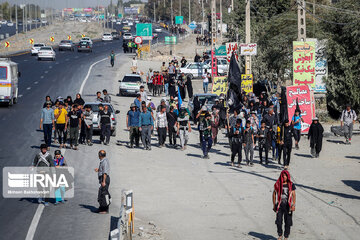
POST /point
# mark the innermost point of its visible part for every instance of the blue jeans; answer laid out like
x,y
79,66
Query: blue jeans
x,y
205,87
206,143
60,194
166,89
47,133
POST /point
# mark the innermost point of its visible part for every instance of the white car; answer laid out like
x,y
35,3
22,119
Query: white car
x,y
113,20
3,22
87,39
118,23
196,69
127,36
35,49
131,24
43,21
46,52
107,37
82,20
10,24
158,30
222,64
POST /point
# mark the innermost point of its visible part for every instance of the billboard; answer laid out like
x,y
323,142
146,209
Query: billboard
x,y
131,10
230,48
248,49
306,101
247,83
304,63
179,19
220,85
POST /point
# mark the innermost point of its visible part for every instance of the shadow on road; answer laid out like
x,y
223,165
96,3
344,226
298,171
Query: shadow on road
x,y
89,207
261,236
354,184
303,155
353,157
194,155
335,141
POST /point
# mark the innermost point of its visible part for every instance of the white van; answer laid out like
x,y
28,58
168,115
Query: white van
x,y
8,81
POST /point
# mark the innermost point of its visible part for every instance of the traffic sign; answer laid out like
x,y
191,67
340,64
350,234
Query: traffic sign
x,y
7,44
31,40
119,15
144,29
82,35
52,39
101,17
138,40
179,19
69,37
221,51
171,40
192,25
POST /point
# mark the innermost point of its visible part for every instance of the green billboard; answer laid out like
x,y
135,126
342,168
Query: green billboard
x,y
179,20
220,51
144,29
170,40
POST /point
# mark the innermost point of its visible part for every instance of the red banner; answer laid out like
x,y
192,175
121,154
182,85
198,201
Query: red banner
x,y
306,102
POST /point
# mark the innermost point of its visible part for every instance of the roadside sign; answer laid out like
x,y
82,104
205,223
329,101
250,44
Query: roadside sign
x,y
138,40
220,51
247,83
69,37
82,35
52,39
144,29
192,25
170,40
31,40
179,19
101,16
248,49
7,44
119,15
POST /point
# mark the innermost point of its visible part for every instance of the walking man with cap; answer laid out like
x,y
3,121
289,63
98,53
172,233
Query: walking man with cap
x,y
348,118
103,172
132,123
47,121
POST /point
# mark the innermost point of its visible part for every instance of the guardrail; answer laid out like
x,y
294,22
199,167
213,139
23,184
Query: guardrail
x,y
125,226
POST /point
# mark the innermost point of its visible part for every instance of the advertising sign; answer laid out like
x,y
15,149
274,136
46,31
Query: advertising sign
x,y
220,85
303,95
304,63
179,19
247,83
230,48
248,49
220,51
131,10
321,67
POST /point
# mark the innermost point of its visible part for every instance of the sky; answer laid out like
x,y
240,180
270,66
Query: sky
x,y
59,4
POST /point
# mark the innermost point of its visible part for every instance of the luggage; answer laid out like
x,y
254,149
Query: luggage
x,y
104,197
337,130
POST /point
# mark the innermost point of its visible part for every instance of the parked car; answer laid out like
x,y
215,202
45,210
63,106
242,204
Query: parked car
x,y
115,35
130,84
222,64
9,77
44,21
118,23
95,108
66,45
3,22
46,52
195,69
205,99
35,49
107,37
10,24
84,46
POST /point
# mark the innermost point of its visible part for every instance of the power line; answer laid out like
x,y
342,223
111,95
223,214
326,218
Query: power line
x,y
327,21
275,15
334,8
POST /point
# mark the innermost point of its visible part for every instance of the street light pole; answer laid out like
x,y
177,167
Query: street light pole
x,y
203,17
248,37
16,20
189,11
172,16
180,8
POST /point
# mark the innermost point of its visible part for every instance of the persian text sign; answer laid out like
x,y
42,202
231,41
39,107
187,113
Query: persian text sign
x,y
220,85
247,83
248,49
304,63
232,48
321,67
303,95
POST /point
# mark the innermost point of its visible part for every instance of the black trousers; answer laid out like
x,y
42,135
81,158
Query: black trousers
x,y
89,133
105,133
265,148
284,213
280,148
162,135
47,128
172,136
236,148
61,133
287,153
297,135
316,146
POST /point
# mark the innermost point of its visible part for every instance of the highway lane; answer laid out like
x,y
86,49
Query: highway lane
x,y
19,138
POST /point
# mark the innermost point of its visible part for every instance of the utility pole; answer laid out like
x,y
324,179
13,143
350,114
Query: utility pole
x,y
221,21
203,17
154,11
213,38
180,8
172,14
232,5
301,20
23,18
189,11
247,37
29,12
16,20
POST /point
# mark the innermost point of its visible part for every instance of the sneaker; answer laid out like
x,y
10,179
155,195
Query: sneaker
x,y
149,148
75,148
90,144
239,166
56,203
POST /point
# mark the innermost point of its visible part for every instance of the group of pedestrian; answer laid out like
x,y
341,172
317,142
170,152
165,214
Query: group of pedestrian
x,y
129,46
71,122
203,40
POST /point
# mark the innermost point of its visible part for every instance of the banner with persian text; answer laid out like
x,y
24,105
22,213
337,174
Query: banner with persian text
x,y
304,96
304,63
220,85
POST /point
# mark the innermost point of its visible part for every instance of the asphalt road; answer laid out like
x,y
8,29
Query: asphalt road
x,y
18,124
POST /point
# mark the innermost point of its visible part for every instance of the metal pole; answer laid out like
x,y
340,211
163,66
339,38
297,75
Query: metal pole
x,y
16,20
248,37
221,21
23,20
154,11
189,11
232,5
301,20
180,8
203,17
25,12
29,12
172,16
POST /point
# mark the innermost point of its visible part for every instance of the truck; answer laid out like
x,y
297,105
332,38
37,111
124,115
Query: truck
x,y
9,78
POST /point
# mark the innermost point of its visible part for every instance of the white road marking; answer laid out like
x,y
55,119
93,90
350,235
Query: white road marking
x,y
42,77
25,60
20,96
50,67
46,71
35,221
36,82
28,88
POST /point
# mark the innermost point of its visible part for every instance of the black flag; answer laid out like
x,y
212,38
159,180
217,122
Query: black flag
x,y
283,106
234,79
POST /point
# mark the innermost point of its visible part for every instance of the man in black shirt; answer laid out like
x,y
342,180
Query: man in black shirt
x,y
286,142
172,121
271,123
183,62
105,125
236,142
75,124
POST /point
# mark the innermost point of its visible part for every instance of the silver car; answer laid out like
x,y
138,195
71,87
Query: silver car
x,y
130,84
66,45
95,109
